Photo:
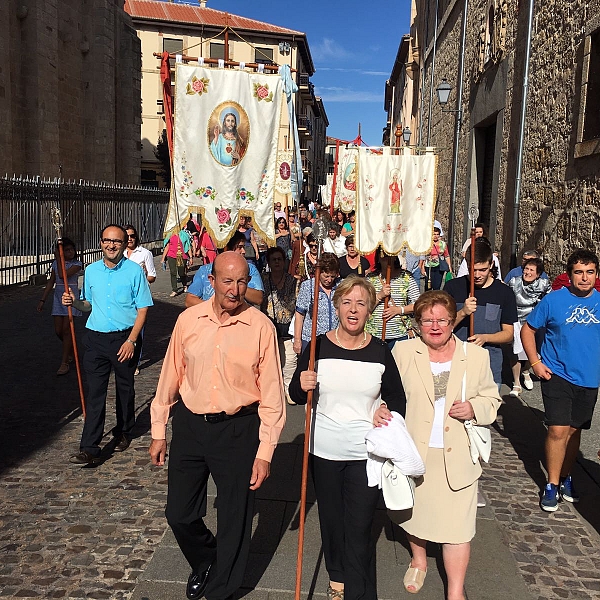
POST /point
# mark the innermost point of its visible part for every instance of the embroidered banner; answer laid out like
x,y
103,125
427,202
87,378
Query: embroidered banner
x,y
283,173
225,149
345,190
395,206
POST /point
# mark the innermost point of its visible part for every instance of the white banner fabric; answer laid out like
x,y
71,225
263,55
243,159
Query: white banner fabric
x,y
225,149
396,202
283,178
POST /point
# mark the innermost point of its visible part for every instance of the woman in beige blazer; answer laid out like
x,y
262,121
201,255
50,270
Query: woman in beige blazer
x,y
432,370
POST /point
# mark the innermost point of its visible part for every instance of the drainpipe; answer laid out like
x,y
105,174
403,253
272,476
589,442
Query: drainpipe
x,y
435,33
457,126
422,51
517,200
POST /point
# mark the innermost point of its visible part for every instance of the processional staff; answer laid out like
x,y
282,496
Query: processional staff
x,y
319,231
57,223
473,214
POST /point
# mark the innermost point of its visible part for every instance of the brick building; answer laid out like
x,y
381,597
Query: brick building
x,y
534,175
69,90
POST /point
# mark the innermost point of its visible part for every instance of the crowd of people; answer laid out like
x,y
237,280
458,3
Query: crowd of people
x,y
241,351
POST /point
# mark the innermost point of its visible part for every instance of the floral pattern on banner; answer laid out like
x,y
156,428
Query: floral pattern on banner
x,y
206,192
197,86
263,190
261,92
243,195
223,217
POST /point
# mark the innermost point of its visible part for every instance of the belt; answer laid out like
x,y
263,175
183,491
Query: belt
x,y
252,409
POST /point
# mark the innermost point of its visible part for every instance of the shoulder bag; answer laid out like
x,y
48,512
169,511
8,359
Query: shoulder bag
x,y
398,489
480,436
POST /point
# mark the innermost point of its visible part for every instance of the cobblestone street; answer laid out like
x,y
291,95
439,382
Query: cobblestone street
x,y
92,532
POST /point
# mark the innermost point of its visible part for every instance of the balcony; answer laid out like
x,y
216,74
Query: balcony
x,y
307,166
307,89
305,126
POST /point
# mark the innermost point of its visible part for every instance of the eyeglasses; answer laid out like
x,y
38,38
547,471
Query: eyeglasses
x,y
109,241
312,245
440,322
132,236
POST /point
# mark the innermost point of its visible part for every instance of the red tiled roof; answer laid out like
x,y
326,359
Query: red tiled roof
x,y
157,10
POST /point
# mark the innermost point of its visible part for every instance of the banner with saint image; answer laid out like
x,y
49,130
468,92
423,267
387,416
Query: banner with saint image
x,y
345,187
395,201
225,149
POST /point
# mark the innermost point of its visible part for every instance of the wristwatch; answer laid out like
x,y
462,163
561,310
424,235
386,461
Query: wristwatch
x,y
132,342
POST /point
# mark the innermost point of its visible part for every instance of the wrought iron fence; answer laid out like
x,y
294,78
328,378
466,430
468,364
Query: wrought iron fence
x,y
27,237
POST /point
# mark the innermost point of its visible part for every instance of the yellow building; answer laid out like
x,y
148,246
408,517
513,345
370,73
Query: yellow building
x,y
199,31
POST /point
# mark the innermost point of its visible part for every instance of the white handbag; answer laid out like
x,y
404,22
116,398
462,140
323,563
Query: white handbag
x,y
398,489
480,436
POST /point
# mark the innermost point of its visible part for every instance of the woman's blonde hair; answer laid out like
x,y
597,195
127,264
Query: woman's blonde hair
x,y
351,282
428,300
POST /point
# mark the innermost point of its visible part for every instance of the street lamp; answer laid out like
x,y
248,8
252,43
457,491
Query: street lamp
x,y
406,133
443,92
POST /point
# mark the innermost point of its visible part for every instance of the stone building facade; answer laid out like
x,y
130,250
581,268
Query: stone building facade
x,y
198,31
69,90
549,200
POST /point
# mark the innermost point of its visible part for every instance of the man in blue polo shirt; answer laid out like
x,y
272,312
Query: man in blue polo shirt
x,y
569,370
116,292
201,289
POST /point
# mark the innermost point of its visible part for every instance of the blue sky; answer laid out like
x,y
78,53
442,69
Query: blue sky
x,y
353,45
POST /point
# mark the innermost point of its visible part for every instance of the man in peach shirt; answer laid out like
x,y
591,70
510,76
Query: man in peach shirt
x,y
223,364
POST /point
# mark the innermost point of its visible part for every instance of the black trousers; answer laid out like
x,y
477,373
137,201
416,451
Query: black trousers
x,y
226,451
346,509
99,359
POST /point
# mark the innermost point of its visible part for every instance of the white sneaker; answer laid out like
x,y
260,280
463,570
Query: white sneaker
x,y
527,381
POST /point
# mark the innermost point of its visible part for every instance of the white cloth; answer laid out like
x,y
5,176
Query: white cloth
x,y
225,149
394,202
392,442
464,268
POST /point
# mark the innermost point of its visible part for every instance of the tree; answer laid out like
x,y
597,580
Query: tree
x,y
162,155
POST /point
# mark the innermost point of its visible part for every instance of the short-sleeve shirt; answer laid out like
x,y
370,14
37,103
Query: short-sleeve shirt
x,y
405,291
327,318
201,287
570,346
496,306
115,294
143,256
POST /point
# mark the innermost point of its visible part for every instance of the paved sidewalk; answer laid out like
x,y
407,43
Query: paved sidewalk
x,y
73,532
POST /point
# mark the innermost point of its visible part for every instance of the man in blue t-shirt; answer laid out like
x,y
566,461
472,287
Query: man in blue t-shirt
x,y
201,290
569,369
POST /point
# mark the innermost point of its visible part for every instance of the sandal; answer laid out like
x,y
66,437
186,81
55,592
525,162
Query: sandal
x,y
527,381
516,390
334,594
63,369
414,578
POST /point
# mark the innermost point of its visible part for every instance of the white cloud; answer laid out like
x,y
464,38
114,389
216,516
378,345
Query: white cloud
x,y
329,49
360,71
340,94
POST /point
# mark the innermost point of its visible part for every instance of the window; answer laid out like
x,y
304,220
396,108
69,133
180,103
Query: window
x,y
591,123
263,55
217,50
172,46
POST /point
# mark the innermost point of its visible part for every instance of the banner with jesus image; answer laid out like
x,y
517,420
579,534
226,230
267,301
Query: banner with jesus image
x,y
225,149
395,201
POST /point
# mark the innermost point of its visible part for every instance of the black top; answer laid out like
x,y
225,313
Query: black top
x,y
346,270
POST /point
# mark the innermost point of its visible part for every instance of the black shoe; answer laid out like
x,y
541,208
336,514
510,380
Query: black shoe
x,y
196,584
122,444
84,458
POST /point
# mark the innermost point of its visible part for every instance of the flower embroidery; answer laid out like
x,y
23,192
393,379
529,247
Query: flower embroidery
x,y
197,86
206,192
244,195
261,92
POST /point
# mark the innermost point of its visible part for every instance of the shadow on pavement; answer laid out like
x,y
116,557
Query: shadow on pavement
x,y
36,403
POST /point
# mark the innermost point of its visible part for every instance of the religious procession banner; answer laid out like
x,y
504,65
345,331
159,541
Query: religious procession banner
x,y
225,149
326,190
395,201
345,190
283,173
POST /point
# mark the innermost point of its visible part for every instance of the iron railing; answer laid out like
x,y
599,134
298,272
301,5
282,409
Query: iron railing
x,y
27,237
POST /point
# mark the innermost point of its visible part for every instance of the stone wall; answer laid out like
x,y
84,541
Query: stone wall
x,y
560,194
69,90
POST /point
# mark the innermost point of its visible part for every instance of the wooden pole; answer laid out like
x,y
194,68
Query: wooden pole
x,y
388,271
309,400
226,49
472,281
228,63
61,256
335,172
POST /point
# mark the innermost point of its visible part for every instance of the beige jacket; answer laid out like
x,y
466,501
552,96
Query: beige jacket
x,y
412,357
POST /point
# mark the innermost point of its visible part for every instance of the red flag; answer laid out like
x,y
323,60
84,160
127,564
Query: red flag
x,y
165,77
